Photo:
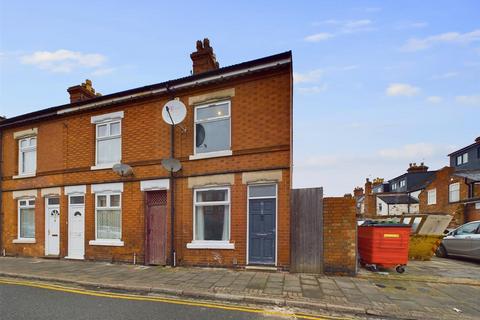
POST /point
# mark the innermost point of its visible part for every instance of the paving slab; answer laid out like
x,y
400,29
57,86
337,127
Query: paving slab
x,y
380,296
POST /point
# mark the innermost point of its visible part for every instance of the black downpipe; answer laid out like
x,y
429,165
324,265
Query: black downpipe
x,y
172,199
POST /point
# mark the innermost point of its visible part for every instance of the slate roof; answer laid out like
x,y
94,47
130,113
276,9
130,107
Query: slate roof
x,y
398,199
473,175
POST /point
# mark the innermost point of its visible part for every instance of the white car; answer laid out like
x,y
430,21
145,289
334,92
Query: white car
x,y
462,242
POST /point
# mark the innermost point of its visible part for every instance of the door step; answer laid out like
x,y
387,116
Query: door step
x,y
51,257
261,268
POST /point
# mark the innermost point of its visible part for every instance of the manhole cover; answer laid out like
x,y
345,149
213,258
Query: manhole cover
x,y
380,285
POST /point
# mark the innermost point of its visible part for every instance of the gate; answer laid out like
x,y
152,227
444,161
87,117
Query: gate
x,y
307,230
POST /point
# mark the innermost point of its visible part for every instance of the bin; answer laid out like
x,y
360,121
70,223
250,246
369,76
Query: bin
x,y
384,245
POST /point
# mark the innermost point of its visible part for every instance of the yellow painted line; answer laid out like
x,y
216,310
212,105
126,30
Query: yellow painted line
x,y
164,300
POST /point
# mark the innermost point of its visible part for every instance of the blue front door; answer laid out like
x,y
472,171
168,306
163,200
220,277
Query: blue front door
x,y
262,229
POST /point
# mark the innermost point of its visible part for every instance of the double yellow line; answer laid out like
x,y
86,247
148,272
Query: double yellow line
x,y
162,299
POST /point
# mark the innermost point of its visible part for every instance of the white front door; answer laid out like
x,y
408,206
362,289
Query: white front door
x,y
52,226
76,227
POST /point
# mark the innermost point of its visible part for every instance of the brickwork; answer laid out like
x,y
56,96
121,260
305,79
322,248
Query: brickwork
x,y
340,236
443,178
261,140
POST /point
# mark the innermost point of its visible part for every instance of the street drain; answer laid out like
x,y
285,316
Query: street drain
x,y
400,288
380,285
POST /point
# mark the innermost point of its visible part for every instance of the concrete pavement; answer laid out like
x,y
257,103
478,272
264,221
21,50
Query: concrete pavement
x,y
384,296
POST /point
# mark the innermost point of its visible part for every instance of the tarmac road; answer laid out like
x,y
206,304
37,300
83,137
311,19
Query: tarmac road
x,y
20,300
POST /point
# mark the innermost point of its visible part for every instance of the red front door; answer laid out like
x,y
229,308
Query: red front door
x,y
155,227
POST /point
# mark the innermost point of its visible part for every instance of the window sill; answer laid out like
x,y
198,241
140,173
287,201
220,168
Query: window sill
x,y
214,154
21,176
24,241
108,243
211,245
102,166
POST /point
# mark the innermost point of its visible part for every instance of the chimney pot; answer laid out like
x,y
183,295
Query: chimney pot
x,y
82,92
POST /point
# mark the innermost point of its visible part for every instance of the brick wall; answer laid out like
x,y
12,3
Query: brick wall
x,y
443,178
340,236
261,140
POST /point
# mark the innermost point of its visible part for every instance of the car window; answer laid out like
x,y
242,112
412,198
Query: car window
x,y
468,228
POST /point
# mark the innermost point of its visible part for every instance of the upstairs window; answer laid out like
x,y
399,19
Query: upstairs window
x,y
27,156
212,127
394,186
432,197
109,139
462,159
402,183
26,219
454,192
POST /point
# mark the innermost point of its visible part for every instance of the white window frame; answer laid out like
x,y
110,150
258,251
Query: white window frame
x,y
220,153
465,158
27,206
108,119
402,183
276,216
432,196
21,150
453,187
212,244
394,186
108,242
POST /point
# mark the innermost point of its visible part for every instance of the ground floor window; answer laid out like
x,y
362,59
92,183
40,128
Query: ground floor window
x,y
212,214
26,219
108,216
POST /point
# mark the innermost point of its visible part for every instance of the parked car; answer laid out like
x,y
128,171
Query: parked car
x,y
462,242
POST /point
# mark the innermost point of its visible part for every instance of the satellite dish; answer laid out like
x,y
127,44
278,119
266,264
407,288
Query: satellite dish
x,y
122,169
177,109
171,164
200,135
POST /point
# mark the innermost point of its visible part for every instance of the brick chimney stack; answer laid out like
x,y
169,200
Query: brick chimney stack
x,y
204,59
368,187
413,167
477,140
358,192
82,92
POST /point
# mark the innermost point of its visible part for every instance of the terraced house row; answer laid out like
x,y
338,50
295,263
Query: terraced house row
x,y
61,198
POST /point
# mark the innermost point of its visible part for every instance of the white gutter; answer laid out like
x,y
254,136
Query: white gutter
x,y
160,90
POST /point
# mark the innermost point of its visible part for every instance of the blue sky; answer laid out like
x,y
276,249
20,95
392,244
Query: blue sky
x,y
378,84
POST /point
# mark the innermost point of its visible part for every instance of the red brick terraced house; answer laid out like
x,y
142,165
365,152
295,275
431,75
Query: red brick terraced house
x,y
61,198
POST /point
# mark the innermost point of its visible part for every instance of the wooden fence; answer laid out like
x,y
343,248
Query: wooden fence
x,y
307,230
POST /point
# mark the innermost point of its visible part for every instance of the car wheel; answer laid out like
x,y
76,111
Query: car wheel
x,y
441,252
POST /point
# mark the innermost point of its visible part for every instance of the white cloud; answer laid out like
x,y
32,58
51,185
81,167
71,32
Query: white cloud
x,y
63,60
313,89
445,75
340,27
473,100
416,44
411,25
353,26
322,36
307,77
434,99
402,89
373,9
415,152
103,71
